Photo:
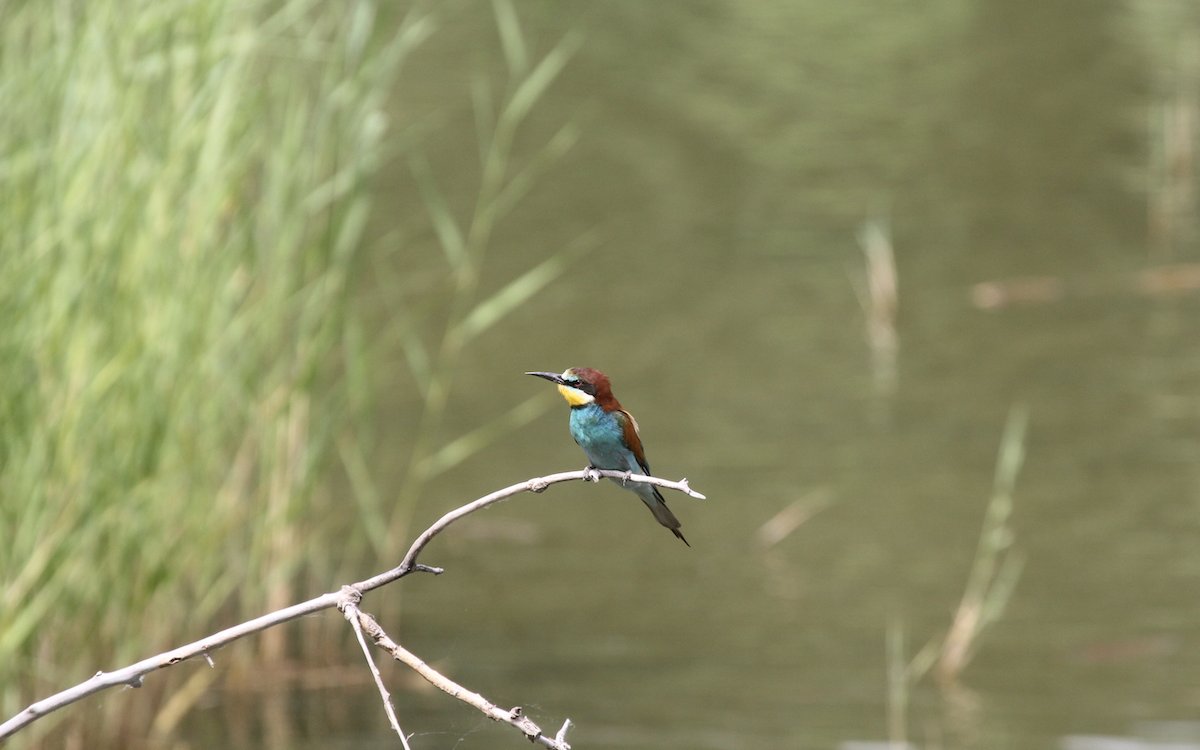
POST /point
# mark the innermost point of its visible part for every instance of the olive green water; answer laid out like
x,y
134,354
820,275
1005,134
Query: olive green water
x,y
729,155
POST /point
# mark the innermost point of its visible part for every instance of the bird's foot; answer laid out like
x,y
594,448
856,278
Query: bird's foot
x,y
591,474
625,479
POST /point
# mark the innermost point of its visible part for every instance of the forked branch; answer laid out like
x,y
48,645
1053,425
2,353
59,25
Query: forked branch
x,y
133,674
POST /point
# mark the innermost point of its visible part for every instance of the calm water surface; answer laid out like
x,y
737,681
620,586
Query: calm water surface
x,y
729,155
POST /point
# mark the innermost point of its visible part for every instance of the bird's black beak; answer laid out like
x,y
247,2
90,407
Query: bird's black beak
x,y
553,377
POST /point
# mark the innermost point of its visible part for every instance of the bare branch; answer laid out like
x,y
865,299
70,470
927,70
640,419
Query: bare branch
x,y
349,608
514,717
537,484
132,675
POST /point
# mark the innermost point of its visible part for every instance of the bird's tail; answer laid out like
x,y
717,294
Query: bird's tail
x,y
658,506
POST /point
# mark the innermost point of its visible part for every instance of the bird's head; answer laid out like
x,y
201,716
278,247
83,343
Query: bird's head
x,y
579,385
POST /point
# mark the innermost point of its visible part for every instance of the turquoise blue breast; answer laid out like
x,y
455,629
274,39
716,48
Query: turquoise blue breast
x,y
600,435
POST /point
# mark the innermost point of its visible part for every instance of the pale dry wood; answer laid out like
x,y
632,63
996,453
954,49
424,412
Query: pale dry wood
x,y
514,717
133,674
349,608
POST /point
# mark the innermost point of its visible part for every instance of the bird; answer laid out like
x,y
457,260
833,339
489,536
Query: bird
x,y
608,435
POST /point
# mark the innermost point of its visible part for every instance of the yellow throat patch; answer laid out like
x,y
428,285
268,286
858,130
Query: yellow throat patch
x,y
574,396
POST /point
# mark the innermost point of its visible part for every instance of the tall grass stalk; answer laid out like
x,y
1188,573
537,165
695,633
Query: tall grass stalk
x,y
183,196
994,571
464,244
990,583
996,567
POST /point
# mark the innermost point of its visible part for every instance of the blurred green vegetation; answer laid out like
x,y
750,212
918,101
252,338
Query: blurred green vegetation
x,y
184,196
227,376
188,376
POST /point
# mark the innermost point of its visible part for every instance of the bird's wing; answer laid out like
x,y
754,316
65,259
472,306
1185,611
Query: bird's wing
x,y
629,427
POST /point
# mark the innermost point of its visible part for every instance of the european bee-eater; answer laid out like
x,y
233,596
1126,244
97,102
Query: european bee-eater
x,y
609,435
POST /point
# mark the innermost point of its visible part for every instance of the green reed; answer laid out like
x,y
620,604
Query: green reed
x,y
186,386
183,196
465,242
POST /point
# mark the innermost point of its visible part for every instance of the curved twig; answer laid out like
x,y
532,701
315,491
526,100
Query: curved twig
x,y
133,674
536,485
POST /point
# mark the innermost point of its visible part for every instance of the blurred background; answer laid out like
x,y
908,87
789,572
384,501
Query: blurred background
x,y
911,293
